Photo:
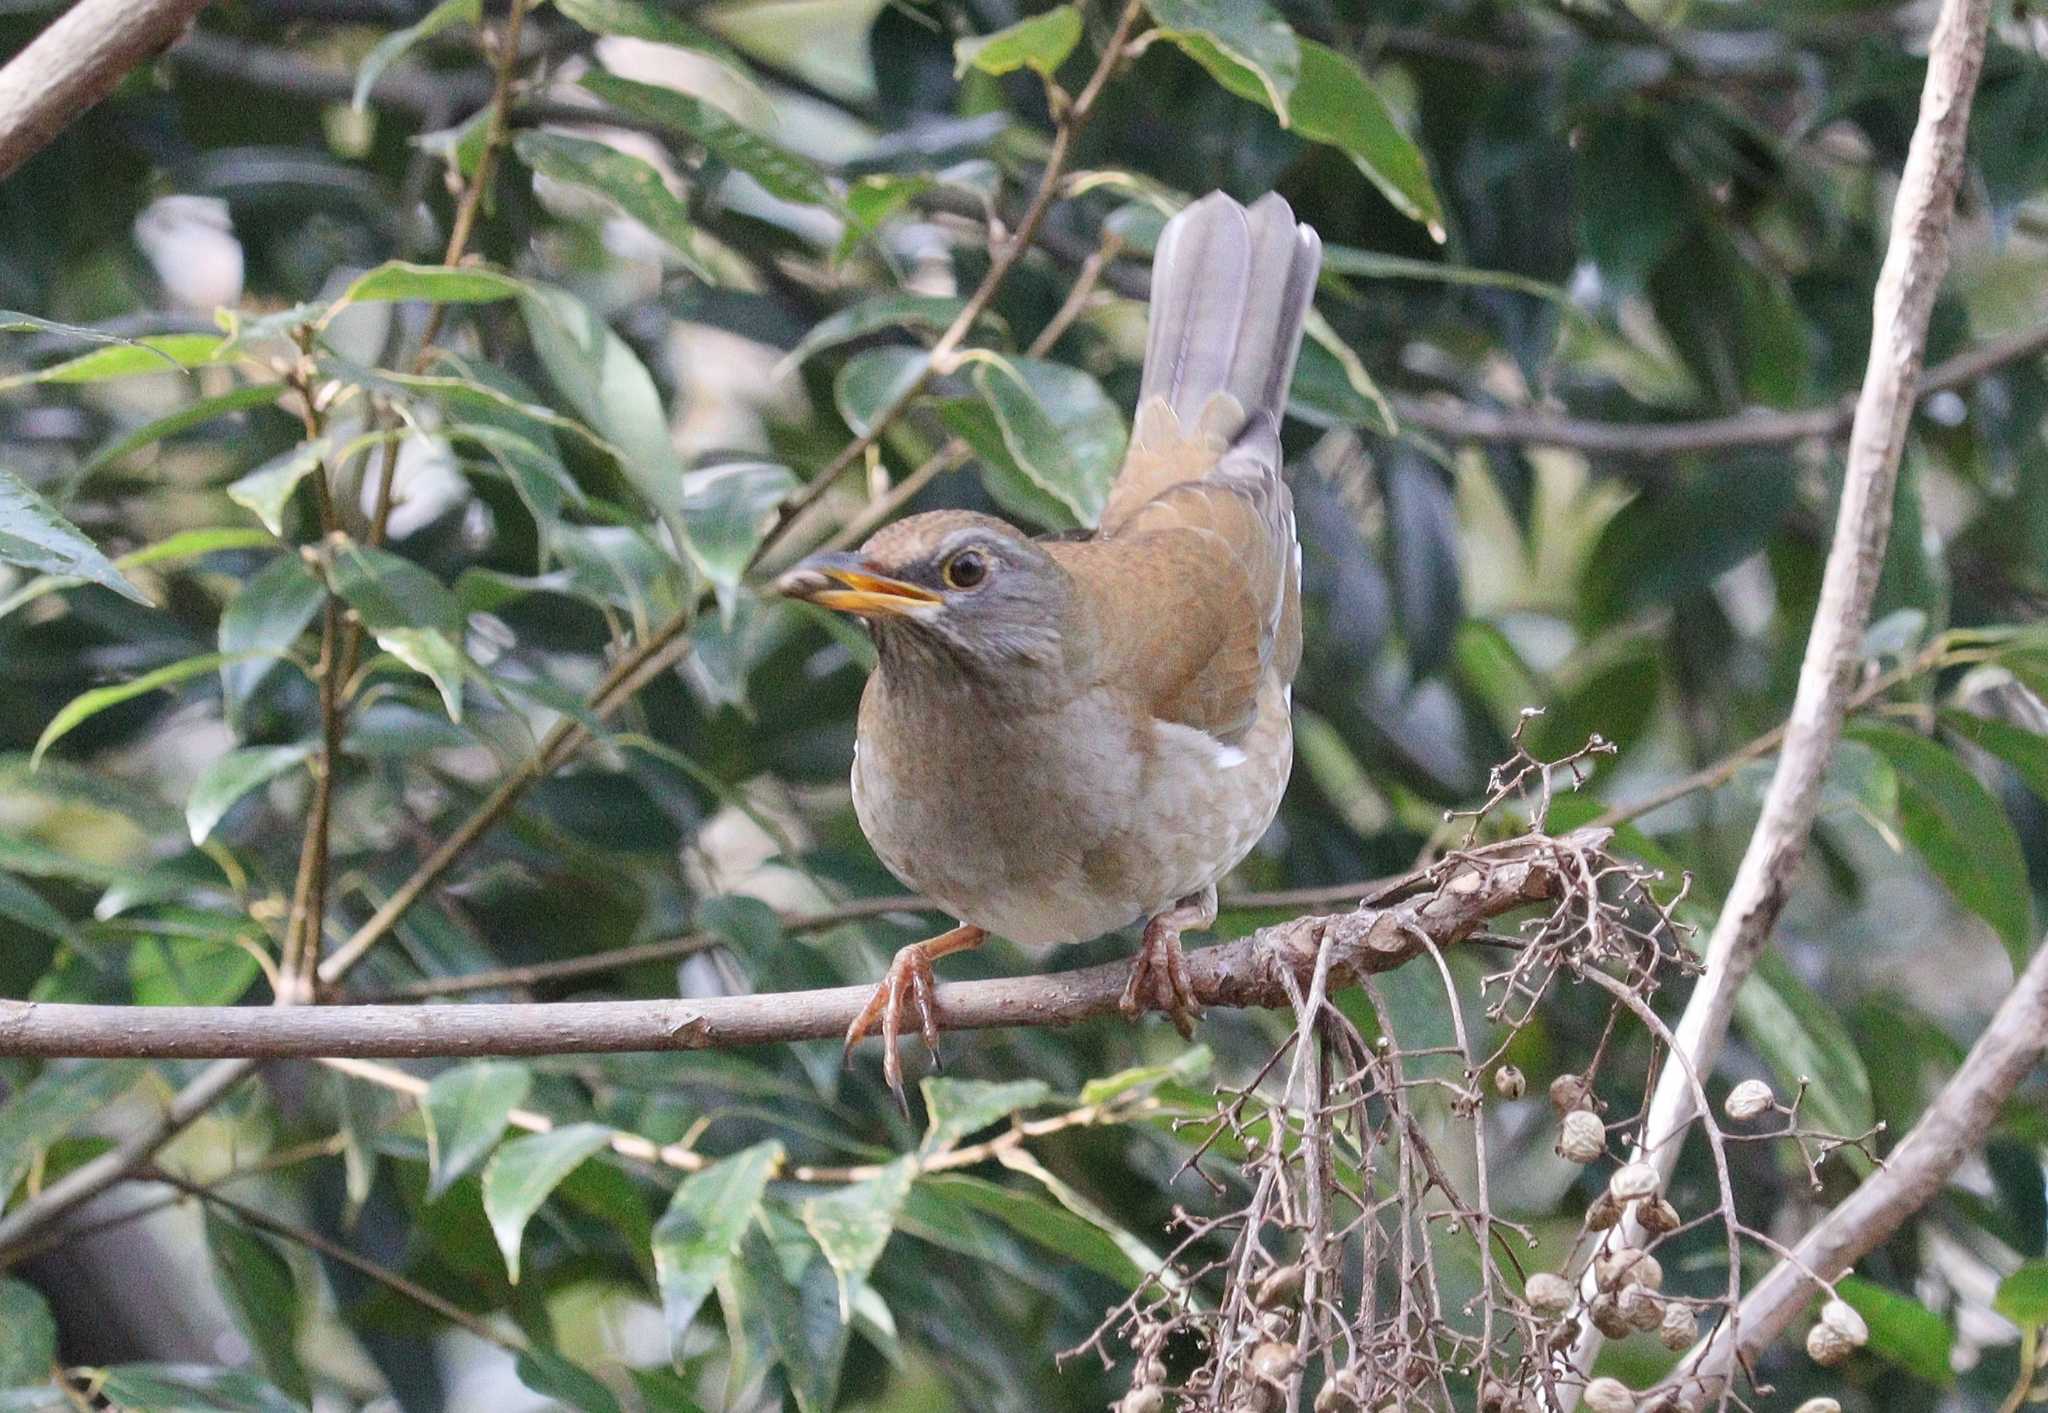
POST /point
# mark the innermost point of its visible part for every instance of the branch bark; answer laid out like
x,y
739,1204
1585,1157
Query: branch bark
x,y
1247,972
1916,259
75,63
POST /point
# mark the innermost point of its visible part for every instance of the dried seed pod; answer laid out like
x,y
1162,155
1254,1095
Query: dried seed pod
x,y
1339,1395
1680,1327
1608,1319
1602,1213
1143,1398
1819,1405
1609,1396
1150,1370
1827,1346
1548,1293
1569,1092
1632,1182
1509,1082
1643,1309
1280,1287
1628,1266
1841,1317
1272,1361
1582,1137
1657,1216
1749,1100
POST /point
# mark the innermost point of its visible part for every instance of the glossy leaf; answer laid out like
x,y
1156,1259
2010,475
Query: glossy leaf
x,y
1959,830
34,536
638,19
397,281
466,1110
894,309
1902,1330
86,705
30,1347
63,1096
2023,1296
697,1237
388,49
262,1296
852,1226
232,776
1244,43
524,1171
779,171
1040,43
156,353
628,181
1008,485
1059,427
873,382
268,489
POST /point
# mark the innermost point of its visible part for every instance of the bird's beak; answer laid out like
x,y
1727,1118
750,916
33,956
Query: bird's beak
x,y
845,582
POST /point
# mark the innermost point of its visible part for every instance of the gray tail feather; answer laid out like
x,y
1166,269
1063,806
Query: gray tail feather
x,y
1230,290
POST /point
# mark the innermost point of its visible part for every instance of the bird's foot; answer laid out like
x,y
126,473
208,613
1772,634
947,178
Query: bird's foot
x,y
1159,977
909,979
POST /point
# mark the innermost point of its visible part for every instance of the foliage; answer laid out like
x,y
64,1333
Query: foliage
x,y
357,559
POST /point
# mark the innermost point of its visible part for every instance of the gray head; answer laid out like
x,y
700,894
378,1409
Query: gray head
x,y
949,594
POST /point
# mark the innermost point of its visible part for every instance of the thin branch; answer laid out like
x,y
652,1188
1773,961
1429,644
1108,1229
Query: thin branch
x,y
75,63
1486,883
1914,263
1952,1128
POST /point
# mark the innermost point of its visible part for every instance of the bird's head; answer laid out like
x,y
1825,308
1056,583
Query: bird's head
x,y
948,590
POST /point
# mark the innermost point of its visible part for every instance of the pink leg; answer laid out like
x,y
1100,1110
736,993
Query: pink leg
x,y
1159,973
910,973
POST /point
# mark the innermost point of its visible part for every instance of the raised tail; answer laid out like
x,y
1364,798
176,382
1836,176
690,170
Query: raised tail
x,y
1230,290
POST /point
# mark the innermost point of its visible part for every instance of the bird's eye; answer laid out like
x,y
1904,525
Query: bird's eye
x,y
966,569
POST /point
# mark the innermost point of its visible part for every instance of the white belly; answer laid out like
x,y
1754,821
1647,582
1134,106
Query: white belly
x,y
1003,846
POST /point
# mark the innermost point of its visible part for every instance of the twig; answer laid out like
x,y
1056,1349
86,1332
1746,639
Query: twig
x,y
75,63
1915,261
1483,884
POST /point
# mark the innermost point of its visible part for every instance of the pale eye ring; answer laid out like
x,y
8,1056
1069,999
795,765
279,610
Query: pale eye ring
x,y
966,569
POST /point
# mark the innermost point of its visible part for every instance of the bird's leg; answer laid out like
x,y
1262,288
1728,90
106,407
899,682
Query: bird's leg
x,y
909,974
1162,969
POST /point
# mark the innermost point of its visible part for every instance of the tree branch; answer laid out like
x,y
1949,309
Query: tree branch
x,y
75,63
1915,261
1483,884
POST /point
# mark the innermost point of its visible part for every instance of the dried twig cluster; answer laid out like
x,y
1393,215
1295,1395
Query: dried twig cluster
x,y
1353,1259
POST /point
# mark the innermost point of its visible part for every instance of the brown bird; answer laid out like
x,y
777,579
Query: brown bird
x,y
1067,735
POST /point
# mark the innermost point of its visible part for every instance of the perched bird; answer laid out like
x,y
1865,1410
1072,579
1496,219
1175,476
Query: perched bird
x,y
1063,736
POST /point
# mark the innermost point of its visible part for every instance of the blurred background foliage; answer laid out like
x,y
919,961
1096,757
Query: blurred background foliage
x,y
718,242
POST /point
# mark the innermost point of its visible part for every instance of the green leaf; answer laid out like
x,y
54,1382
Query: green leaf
x,y
392,45
873,200
466,1110
1189,1066
1961,833
34,536
233,776
1059,426
23,906
1040,43
803,1317
895,309
261,623
779,171
262,1297
2025,751
192,1388
153,354
408,611
629,182
30,1347
697,1237
974,422
397,281
871,383
195,414
609,386
639,20
268,489
958,1107
1331,387
1801,1037
1902,1330
548,1373
2023,1296
1376,265
728,509
193,957
1039,1220
1244,43
63,1096
524,1171
86,705
852,1226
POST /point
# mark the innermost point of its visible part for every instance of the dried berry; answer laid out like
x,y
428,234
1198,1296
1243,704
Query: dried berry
x,y
1272,1361
1145,1398
1280,1287
1642,1308
1819,1405
1509,1083
1582,1137
1748,1100
1628,1266
1569,1092
1548,1293
1630,1183
1609,1396
1602,1213
1608,1319
1680,1327
1827,1346
1657,1216
1149,1371
1841,1317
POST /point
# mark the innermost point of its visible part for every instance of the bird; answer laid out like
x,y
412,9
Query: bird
x,y
1069,734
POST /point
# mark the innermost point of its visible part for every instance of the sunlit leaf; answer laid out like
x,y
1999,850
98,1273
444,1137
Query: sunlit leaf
x,y
1040,43
1244,43
1902,1330
466,1110
697,1237
156,353
524,1171
34,536
398,281
2023,1296
232,776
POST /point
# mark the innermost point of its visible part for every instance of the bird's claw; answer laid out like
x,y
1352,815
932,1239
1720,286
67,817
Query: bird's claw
x,y
910,975
1159,981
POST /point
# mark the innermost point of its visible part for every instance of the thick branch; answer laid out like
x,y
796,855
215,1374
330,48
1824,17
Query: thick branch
x,y
1952,1128
75,63
1914,263
1242,973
